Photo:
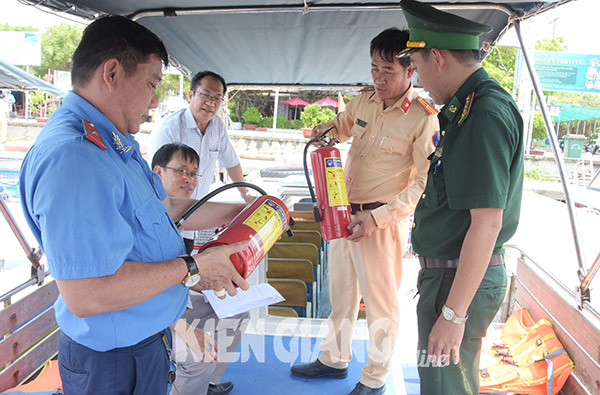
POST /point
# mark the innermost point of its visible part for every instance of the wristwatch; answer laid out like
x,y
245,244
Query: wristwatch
x,y
193,277
450,315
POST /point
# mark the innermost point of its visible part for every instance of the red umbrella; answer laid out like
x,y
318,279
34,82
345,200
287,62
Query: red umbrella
x,y
327,102
296,101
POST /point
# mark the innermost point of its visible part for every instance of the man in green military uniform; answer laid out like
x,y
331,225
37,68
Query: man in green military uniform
x,y
471,202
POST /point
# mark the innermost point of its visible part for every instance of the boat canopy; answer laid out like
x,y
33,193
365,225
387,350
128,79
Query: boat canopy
x,y
285,42
12,77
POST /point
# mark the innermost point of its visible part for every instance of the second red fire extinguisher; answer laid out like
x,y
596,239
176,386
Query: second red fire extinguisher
x,y
331,206
261,223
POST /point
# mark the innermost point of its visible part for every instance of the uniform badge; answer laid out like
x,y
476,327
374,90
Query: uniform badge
x,y
466,108
91,133
119,146
438,153
426,106
436,138
406,105
361,123
452,108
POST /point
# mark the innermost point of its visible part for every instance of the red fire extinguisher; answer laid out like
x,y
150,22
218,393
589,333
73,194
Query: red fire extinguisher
x,y
331,207
261,223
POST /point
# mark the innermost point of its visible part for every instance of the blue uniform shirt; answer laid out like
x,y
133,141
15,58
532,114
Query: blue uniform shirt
x,y
92,209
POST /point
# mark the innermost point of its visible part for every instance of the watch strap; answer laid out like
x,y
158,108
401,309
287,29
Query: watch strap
x,y
191,264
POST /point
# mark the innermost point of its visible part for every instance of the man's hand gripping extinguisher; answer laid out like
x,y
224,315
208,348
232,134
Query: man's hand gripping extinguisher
x,y
330,205
261,223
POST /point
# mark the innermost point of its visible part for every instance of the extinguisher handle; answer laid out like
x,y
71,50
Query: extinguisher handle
x,y
289,231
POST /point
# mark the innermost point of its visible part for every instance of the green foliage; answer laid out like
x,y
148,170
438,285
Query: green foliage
x,y
169,86
555,44
500,64
539,128
58,44
296,124
282,123
535,173
232,114
313,115
37,102
252,116
9,28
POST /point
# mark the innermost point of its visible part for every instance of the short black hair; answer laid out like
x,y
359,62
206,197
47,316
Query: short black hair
x,y
463,56
114,37
166,153
200,75
388,43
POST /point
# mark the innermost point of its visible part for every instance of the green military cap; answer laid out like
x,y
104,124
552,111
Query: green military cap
x,y
432,28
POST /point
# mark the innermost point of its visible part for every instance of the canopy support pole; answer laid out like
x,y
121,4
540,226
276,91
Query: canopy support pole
x,y
559,161
275,109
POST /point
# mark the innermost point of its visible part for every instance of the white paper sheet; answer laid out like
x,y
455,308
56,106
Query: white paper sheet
x,y
256,296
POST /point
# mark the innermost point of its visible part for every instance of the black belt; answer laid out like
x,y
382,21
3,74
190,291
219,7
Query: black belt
x,y
437,263
356,207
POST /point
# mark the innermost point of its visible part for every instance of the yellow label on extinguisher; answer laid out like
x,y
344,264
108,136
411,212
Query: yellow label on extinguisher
x,y
336,183
268,221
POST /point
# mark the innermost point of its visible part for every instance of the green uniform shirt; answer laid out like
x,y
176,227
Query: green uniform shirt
x,y
478,163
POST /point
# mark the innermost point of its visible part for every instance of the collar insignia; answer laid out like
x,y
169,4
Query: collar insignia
x,y
466,108
452,108
406,105
119,146
91,133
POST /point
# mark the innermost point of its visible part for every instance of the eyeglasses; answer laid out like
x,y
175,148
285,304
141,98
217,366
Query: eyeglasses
x,y
183,173
207,97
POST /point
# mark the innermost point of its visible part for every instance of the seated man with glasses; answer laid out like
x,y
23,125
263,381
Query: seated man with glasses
x,y
177,166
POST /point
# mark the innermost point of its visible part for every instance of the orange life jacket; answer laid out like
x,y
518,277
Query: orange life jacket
x,y
527,358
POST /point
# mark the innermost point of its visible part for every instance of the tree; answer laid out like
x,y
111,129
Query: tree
x,y
500,64
556,44
169,86
58,44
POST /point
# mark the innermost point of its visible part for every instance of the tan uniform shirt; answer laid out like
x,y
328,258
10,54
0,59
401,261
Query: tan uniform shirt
x,y
387,161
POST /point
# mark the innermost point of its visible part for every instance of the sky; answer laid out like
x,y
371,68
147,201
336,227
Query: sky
x,y
574,22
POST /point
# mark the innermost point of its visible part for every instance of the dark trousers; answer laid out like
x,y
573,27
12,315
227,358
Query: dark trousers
x,y
139,369
434,287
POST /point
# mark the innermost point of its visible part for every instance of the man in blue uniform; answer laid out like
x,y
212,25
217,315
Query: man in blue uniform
x,y
97,211
471,202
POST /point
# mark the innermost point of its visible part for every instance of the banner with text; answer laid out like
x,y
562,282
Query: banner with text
x,y
563,71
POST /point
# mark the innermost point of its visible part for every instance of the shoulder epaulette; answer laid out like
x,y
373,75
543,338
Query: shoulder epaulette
x,y
426,106
367,88
91,133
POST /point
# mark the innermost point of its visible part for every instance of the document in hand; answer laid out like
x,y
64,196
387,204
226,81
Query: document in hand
x,y
256,296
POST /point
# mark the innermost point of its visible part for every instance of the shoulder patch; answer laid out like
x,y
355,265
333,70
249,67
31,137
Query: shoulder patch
x,y
91,133
426,106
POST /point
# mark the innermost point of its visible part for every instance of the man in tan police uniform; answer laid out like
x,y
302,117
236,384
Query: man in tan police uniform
x,y
392,130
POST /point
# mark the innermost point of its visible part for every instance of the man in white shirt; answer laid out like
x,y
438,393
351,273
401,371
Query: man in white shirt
x,y
198,127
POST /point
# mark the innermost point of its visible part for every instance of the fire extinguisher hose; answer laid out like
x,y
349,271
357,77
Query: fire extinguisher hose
x,y
211,194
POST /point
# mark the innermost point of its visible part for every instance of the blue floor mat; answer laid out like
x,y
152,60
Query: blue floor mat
x,y
262,365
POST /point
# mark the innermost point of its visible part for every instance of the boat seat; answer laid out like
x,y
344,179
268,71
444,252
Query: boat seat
x,y
281,311
294,292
